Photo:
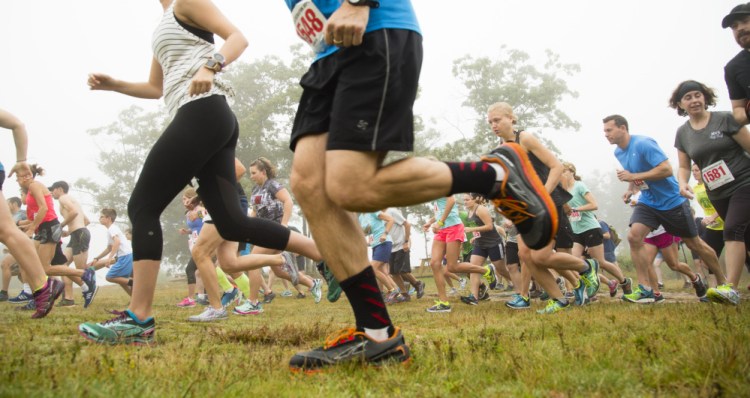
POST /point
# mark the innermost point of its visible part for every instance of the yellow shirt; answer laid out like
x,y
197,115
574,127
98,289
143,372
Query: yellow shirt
x,y
708,208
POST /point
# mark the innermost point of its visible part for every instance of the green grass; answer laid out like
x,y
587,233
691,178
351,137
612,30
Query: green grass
x,y
607,349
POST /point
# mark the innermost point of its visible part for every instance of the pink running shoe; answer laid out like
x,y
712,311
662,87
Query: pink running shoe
x,y
187,302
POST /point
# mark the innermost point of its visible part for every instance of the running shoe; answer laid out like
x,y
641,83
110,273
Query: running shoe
x,y
521,196
659,298
89,278
470,299
123,329
227,297
461,283
640,295
4,296
352,345
210,314
440,306
544,296
627,286
400,298
249,308
700,287
317,290
518,302
554,306
591,278
581,297
29,306
187,302
267,298
499,286
660,285
561,284
66,303
300,295
490,276
724,294
412,291
201,299
290,267
483,292
420,289
452,291
286,293
334,289
687,285
390,297
22,298
45,297
612,287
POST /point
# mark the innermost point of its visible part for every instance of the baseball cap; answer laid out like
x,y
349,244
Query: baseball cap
x,y
736,13
59,184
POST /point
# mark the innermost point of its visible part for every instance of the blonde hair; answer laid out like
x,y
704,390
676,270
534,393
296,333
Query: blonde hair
x,y
504,108
572,168
190,192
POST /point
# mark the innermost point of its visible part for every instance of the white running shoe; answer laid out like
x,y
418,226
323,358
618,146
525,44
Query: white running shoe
x,y
210,314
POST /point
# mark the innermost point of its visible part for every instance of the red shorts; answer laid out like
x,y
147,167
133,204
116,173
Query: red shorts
x,y
454,233
662,241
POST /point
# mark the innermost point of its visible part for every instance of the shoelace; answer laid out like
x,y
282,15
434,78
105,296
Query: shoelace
x,y
340,336
122,317
513,209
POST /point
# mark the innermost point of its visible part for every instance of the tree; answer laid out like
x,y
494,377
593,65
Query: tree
x,y
535,93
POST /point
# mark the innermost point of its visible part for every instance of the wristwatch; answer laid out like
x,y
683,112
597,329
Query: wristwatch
x,y
215,63
370,3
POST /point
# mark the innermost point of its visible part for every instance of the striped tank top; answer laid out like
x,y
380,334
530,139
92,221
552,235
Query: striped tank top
x,y
181,54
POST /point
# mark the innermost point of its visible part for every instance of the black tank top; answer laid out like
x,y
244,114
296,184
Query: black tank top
x,y
487,239
559,195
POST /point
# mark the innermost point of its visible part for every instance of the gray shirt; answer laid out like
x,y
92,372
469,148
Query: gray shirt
x,y
712,144
398,229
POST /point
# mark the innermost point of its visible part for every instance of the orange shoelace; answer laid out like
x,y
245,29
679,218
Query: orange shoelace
x,y
340,336
515,210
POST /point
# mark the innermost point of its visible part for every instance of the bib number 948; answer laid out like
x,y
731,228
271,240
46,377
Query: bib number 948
x,y
309,23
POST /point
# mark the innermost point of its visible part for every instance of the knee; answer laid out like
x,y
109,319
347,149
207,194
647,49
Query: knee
x,y
353,194
200,253
306,185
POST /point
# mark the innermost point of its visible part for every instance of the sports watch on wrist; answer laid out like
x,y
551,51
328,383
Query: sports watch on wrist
x,y
369,3
215,63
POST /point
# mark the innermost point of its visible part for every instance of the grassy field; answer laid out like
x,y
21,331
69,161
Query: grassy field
x,y
681,348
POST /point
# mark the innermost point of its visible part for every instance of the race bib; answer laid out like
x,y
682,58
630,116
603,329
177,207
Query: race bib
x,y
574,216
310,23
642,185
476,234
370,239
716,175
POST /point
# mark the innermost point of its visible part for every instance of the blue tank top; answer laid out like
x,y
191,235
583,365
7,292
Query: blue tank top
x,y
194,226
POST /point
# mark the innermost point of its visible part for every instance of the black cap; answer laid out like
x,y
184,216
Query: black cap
x,y
59,184
736,13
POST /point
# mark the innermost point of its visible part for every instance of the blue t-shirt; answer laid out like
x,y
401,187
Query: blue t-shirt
x,y
609,247
643,154
376,227
438,208
1,167
392,14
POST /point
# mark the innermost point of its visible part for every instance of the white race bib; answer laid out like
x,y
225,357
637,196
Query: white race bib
x,y
574,216
716,175
642,185
310,23
476,234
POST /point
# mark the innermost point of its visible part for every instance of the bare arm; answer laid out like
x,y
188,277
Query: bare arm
x,y
547,157
37,191
738,111
70,210
152,89
20,138
388,225
286,200
683,174
483,215
590,205
407,234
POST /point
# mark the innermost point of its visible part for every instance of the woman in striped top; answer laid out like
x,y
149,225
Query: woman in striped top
x,y
199,142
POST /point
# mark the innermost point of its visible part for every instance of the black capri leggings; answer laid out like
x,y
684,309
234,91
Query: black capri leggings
x,y
190,271
733,211
200,142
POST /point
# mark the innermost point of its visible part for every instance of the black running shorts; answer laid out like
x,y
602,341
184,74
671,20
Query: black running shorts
x,y
363,96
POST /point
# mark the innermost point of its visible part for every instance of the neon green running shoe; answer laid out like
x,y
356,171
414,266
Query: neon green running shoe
x,y
554,306
124,329
591,278
489,276
724,294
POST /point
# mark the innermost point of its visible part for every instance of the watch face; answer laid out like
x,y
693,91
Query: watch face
x,y
211,63
219,58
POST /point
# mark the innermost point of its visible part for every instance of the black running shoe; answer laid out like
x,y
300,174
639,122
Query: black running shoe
x,y
351,345
521,196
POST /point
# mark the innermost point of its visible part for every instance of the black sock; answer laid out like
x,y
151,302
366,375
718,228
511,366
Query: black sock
x,y
366,300
476,177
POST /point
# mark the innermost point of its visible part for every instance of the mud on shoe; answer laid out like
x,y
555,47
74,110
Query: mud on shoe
x,y
352,345
521,196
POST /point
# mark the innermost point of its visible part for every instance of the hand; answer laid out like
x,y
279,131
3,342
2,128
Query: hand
x,y
406,246
100,81
426,227
184,231
382,238
624,175
65,233
346,26
435,228
202,81
626,196
567,209
686,191
29,232
22,167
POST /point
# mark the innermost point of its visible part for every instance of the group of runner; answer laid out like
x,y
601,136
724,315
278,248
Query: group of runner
x,y
356,106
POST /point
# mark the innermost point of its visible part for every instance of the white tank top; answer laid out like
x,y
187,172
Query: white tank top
x,y
181,54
